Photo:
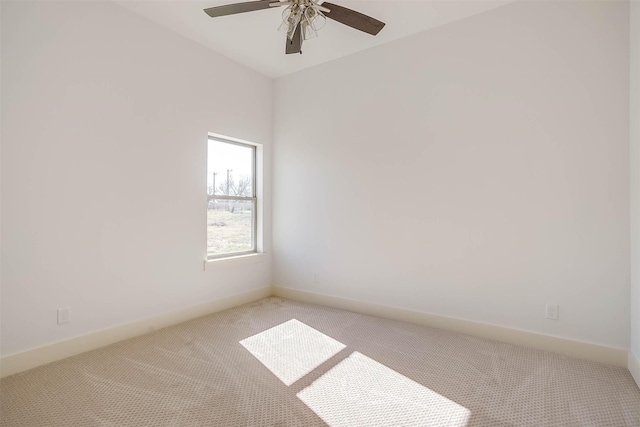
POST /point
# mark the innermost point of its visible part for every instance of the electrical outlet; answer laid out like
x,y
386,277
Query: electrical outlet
x,y
63,315
552,311
316,277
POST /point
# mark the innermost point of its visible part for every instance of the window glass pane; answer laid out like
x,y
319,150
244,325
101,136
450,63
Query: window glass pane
x,y
229,169
229,226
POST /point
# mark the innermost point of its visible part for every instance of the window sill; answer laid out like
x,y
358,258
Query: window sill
x,y
236,260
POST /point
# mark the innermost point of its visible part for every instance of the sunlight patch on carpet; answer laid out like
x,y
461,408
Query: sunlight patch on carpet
x,y
362,392
292,349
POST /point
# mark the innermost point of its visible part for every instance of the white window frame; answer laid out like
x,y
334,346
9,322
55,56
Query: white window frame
x,y
253,198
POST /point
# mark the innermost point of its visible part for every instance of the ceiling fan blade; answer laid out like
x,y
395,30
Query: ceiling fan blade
x,y
353,19
232,9
295,45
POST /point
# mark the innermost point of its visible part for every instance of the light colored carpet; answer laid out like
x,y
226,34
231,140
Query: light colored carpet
x,y
343,369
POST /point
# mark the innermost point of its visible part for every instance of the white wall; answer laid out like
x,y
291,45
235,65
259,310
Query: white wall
x,y
104,125
635,178
0,176
478,170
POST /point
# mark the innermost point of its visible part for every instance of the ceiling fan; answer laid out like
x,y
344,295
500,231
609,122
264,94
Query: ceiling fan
x,y
302,19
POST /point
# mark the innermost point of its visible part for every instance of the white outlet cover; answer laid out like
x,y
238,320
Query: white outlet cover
x,y
63,316
552,311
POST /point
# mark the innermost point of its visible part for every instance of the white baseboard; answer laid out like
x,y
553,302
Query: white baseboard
x,y
582,350
18,362
633,365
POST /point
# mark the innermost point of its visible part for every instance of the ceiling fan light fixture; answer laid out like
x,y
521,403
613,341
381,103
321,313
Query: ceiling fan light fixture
x,y
305,13
291,17
315,18
308,32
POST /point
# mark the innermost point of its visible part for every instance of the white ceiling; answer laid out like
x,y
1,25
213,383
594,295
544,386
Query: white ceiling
x,y
252,38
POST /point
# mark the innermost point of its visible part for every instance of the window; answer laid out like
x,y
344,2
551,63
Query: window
x,y
231,198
